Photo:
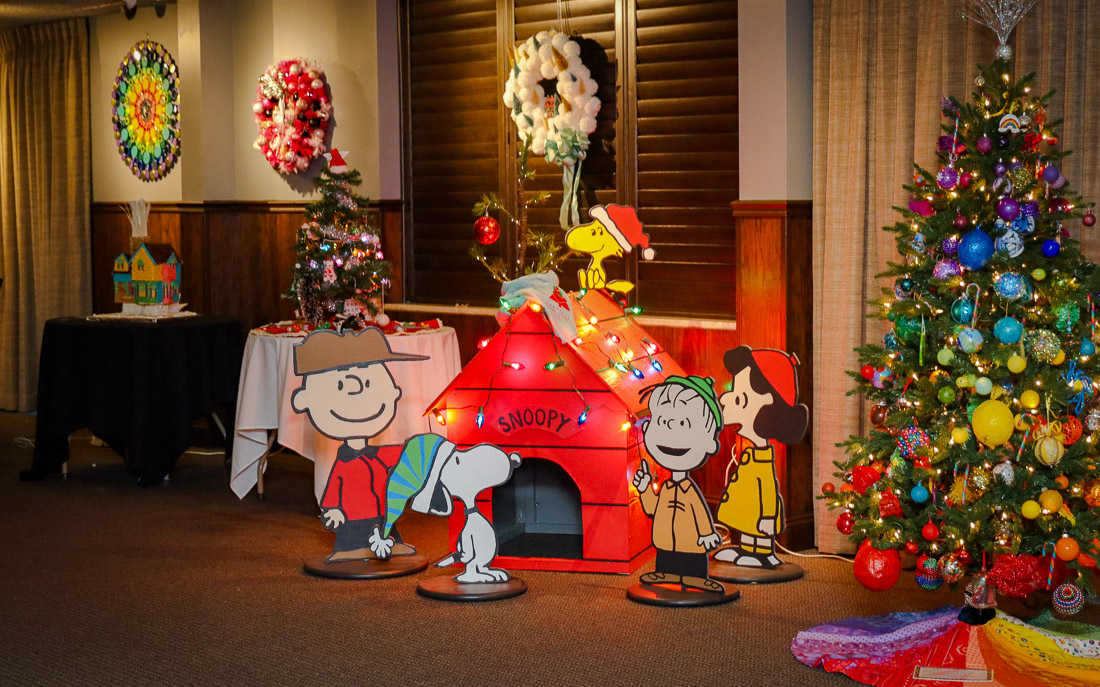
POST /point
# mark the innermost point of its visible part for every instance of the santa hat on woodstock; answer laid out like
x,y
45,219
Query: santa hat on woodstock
x,y
336,164
623,223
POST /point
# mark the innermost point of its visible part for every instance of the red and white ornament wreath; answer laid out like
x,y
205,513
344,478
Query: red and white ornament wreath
x,y
292,111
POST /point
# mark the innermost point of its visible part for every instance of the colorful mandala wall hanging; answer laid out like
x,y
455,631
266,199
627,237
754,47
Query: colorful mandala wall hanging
x,y
292,111
145,111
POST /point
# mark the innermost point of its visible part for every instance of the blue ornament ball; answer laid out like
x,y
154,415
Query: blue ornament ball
x,y
962,310
1087,347
890,341
971,340
1051,174
1051,248
975,249
1009,286
1008,330
919,494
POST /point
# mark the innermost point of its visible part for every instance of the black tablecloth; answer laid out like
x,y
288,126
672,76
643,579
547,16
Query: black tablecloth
x,y
138,385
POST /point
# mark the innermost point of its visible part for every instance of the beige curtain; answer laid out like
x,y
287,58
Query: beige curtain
x,y
880,69
45,191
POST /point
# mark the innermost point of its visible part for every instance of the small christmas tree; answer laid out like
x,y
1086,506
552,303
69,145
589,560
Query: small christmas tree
x,y
984,446
340,275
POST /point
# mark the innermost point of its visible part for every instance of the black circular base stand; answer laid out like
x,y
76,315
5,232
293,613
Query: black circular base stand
x,y
728,572
444,588
370,569
661,595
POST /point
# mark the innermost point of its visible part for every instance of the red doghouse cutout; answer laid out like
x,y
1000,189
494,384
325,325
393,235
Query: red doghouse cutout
x,y
571,411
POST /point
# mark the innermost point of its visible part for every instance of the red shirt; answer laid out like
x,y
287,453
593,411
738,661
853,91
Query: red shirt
x,y
357,483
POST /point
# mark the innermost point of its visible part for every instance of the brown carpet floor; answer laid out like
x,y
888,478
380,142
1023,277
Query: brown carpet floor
x,y
106,583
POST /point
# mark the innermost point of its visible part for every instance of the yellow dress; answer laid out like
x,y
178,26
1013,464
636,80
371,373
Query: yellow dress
x,y
752,493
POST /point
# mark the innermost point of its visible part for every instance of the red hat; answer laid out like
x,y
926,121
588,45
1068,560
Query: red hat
x,y
336,163
623,223
778,368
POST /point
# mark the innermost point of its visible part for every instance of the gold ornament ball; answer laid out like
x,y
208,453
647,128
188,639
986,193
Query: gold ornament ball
x,y
962,382
1067,548
1016,364
1050,501
1038,274
1092,493
1030,509
993,423
959,435
1049,451
1029,399
1059,359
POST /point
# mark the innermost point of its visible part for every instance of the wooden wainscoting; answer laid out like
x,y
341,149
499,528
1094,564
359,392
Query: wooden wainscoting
x,y
775,310
237,256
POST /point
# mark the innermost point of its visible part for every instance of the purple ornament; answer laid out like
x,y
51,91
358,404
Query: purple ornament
x,y
948,178
944,142
1050,173
1051,248
1059,182
985,144
1000,169
1003,140
950,245
1008,208
1029,209
945,269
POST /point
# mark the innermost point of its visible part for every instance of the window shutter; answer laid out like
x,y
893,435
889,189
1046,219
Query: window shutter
x,y
454,109
686,65
594,21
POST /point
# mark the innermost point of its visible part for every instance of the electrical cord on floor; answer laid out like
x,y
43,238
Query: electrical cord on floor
x,y
24,442
726,540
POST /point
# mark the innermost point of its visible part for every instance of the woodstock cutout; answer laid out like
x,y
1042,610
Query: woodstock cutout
x,y
613,230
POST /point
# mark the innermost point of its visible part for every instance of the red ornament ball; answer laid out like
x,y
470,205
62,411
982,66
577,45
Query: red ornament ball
x,y
867,371
878,415
888,504
964,557
828,488
1071,430
1089,219
845,522
863,477
877,570
486,230
930,531
911,548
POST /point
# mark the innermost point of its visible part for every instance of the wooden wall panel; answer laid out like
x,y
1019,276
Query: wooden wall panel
x,y
775,310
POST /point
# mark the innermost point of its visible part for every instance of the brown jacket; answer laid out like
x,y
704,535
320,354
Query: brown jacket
x,y
680,516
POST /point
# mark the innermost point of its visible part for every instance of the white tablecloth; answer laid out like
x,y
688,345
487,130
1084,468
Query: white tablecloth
x,y
268,381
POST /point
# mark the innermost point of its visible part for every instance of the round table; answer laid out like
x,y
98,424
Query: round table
x,y
265,414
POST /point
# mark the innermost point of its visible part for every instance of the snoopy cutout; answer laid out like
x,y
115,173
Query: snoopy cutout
x,y
430,475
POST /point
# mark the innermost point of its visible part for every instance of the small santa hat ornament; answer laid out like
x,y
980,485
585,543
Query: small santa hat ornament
x,y
336,164
622,222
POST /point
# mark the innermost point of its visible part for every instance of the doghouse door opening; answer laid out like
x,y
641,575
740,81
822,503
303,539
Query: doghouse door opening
x,y
538,513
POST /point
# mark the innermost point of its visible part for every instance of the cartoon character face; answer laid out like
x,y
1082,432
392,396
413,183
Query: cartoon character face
x,y
592,238
681,431
742,403
468,473
348,403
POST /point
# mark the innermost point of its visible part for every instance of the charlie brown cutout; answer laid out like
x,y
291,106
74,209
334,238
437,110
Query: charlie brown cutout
x,y
680,434
350,395
762,404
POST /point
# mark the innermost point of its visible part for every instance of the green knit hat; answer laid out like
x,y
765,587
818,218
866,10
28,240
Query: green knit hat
x,y
412,474
704,386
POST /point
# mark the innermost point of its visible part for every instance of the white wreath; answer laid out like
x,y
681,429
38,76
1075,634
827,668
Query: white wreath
x,y
558,126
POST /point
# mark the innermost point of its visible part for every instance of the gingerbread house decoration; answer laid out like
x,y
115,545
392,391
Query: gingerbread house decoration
x,y
572,411
151,276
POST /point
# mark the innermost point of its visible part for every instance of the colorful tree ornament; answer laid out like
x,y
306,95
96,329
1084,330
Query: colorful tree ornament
x,y
928,575
1068,598
845,522
992,423
1067,548
145,111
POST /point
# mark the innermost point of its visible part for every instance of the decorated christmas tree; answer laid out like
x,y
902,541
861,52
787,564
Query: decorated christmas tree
x,y
341,274
982,459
